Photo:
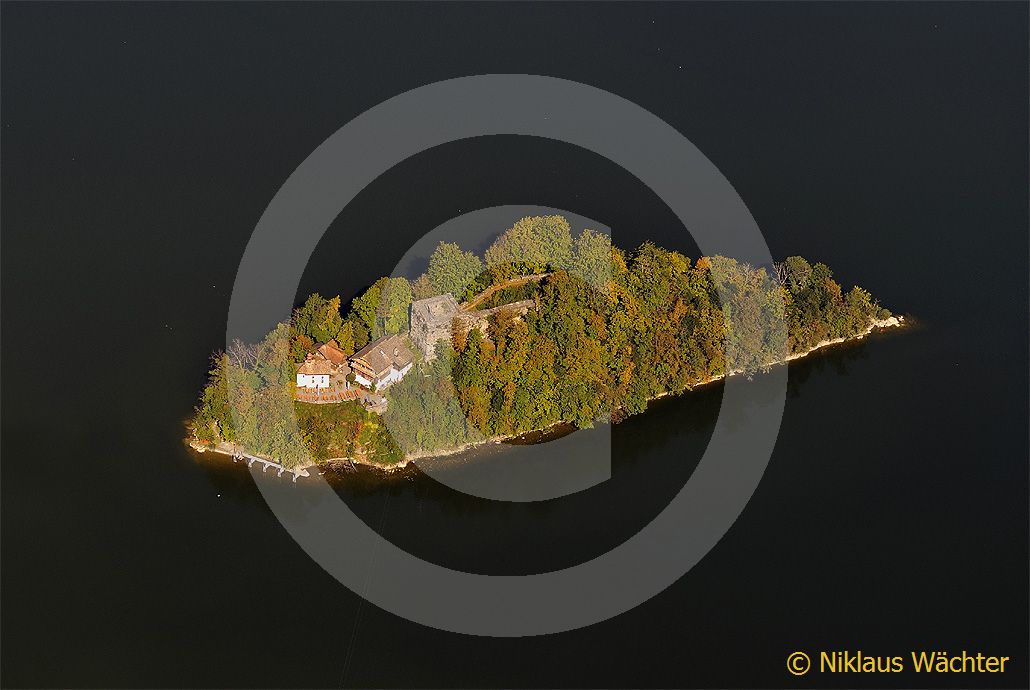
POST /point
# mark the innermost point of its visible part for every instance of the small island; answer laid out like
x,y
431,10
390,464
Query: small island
x,y
545,329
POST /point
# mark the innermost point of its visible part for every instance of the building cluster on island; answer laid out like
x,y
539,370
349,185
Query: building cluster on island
x,y
328,375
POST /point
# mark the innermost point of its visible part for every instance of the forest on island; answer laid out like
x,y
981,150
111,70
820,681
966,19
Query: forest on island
x,y
611,330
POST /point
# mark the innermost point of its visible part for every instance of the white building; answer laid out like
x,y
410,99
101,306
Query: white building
x,y
325,367
315,372
382,362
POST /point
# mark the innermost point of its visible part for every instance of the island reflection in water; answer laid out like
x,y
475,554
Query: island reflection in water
x,y
653,455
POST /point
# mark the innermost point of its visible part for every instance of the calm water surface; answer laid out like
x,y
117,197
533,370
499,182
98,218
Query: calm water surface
x,y
142,142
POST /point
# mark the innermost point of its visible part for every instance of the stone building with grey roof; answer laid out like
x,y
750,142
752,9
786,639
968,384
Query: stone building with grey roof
x,y
431,322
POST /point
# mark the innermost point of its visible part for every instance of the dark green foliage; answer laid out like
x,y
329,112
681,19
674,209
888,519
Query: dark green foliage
x,y
364,310
592,258
527,290
392,314
611,331
423,414
453,270
345,430
212,418
816,310
362,336
532,245
319,318
660,325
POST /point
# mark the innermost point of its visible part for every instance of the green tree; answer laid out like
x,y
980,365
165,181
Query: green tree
x,y
532,245
359,331
212,419
394,304
580,354
592,258
799,273
453,270
318,319
345,338
366,308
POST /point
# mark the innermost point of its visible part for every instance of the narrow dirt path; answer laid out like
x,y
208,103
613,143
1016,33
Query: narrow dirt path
x,y
511,282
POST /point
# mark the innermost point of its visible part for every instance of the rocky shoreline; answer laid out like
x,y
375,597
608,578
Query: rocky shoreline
x,y
337,464
889,322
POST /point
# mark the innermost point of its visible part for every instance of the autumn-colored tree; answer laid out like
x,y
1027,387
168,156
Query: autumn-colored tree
x,y
318,318
610,330
421,288
592,259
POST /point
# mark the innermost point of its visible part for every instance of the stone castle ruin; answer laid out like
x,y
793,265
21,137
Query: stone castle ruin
x,y
438,318
431,322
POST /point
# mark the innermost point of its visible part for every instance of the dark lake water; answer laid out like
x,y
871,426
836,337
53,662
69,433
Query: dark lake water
x,y
141,144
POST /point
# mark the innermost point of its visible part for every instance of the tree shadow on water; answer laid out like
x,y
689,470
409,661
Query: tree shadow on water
x,y
836,357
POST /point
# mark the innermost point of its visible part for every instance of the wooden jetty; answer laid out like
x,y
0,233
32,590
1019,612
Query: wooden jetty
x,y
238,454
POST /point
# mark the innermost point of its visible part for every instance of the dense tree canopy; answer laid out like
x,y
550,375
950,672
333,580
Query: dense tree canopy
x,y
592,258
453,270
318,320
365,308
532,245
394,303
610,330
